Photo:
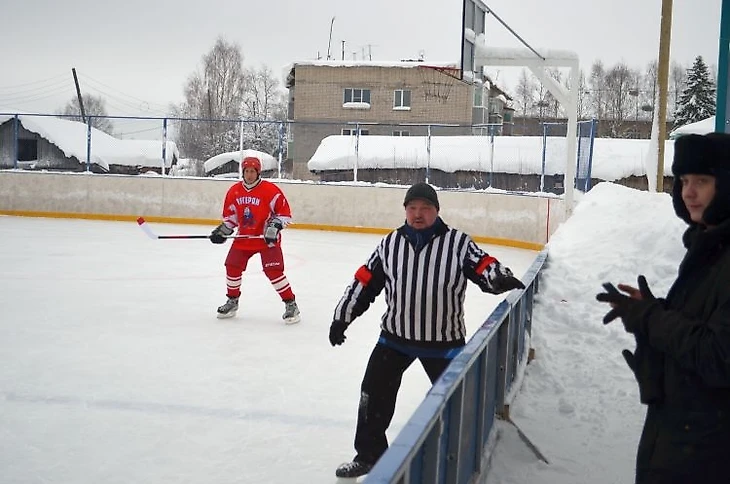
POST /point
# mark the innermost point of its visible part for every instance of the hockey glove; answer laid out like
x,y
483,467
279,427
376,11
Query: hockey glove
x,y
219,234
337,332
501,278
271,232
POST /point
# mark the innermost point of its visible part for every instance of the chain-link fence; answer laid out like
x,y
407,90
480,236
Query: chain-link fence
x,y
446,155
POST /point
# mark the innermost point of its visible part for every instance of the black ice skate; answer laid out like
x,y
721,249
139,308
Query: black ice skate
x,y
353,469
228,310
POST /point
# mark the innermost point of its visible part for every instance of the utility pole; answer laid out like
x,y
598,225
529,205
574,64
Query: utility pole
x,y
723,81
665,35
343,50
78,95
329,43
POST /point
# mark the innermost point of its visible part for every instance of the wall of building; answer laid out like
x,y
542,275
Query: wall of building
x,y
510,219
49,156
316,104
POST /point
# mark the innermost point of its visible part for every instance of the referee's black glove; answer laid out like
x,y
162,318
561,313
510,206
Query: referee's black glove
x,y
337,332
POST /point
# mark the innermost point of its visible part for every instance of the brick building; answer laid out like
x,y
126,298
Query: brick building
x,y
384,98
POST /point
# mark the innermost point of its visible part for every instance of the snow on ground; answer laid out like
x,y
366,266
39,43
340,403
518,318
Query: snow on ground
x,y
579,401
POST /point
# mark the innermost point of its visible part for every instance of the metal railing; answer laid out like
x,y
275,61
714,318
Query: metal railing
x,y
446,441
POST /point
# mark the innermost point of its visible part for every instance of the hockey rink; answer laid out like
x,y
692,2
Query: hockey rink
x,y
116,370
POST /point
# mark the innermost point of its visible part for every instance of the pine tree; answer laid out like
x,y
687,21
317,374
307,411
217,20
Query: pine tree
x,y
697,101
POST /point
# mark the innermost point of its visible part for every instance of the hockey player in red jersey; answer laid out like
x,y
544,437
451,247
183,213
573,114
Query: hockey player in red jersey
x,y
260,210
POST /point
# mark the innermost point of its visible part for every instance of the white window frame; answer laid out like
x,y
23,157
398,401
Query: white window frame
x,y
356,95
399,103
353,131
479,89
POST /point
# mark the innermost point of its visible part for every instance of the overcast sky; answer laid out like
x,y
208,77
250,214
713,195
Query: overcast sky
x,y
138,54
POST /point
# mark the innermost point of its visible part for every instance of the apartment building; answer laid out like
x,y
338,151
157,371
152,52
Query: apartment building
x,y
408,98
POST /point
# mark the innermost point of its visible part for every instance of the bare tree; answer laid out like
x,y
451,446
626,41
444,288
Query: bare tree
x,y
619,81
677,78
598,89
583,99
95,110
525,96
213,95
263,104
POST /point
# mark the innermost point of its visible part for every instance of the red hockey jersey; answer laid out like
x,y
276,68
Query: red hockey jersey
x,y
250,210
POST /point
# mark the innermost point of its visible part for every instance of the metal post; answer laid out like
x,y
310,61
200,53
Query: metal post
x,y
723,83
357,151
88,143
281,145
240,149
491,158
665,36
428,154
164,145
16,133
544,149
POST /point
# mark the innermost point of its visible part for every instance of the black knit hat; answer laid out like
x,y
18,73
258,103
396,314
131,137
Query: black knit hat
x,y
703,155
422,191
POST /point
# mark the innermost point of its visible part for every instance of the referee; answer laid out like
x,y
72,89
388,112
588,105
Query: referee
x,y
423,266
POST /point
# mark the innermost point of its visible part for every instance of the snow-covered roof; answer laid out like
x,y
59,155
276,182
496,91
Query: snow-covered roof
x,y
288,69
70,137
268,162
700,127
613,159
368,63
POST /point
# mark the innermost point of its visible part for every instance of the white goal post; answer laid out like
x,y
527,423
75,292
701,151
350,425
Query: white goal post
x,y
538,61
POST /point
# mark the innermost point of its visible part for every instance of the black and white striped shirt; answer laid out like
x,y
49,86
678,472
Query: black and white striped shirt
x,y
424,289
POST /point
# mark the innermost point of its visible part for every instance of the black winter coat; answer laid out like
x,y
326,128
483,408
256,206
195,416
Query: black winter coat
x,y
686,436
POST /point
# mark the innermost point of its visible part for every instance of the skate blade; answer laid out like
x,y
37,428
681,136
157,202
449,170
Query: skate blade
x,y
293,319
226,315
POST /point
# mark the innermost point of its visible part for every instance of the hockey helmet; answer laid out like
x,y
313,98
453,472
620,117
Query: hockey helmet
x,y
251,162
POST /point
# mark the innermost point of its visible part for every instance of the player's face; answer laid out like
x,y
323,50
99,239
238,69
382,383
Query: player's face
x,y
420,214
697,193
250,174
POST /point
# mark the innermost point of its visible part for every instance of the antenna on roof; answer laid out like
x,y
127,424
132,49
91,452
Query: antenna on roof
x,y
329,43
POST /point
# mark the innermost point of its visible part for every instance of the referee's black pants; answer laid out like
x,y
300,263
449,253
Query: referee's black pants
x,y
378,393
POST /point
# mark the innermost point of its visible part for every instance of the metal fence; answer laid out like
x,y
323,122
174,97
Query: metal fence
x,y
446,155
447,440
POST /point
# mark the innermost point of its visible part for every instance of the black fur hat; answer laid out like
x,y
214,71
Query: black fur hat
x,y
703,155
423,191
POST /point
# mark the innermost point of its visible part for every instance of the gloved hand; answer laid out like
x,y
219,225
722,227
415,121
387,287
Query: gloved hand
x,y
502,279
271,232
219,234
623,304
337,332
648,367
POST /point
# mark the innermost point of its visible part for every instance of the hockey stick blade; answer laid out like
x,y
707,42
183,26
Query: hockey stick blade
x,y
151,234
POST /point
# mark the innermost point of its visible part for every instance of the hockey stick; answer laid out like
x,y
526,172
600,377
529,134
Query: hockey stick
x,y
147,230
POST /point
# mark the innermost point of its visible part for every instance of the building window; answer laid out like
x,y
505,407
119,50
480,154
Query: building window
x,y
353,95
27,149
353,132
401,133
402,99
478,96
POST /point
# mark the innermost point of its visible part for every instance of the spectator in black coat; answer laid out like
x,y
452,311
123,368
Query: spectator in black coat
x,y
682,357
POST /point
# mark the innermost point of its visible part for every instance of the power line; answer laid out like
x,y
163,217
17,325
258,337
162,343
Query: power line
x,y
26,84
95,81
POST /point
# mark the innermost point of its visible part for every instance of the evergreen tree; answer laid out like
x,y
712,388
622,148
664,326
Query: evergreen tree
x,y
697,101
